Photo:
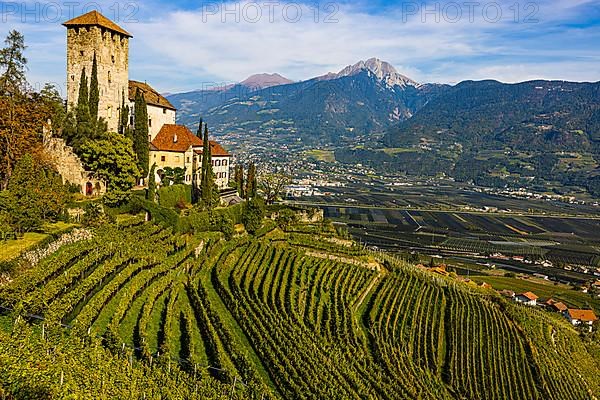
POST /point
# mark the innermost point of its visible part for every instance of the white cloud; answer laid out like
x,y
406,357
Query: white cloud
x,y
178,49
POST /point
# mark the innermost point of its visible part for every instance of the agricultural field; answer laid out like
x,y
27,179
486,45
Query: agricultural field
x,y
295,314
566,242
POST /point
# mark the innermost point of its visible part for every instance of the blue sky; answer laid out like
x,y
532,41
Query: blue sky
x,y
184,45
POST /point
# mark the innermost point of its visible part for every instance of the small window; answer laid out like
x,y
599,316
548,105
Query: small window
x,y
150,122
109,77
164,110
225,163
162,158
72,77
188,159
113,59
81,53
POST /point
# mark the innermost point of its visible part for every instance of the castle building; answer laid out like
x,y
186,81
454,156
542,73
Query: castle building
x,y
90,34
170,145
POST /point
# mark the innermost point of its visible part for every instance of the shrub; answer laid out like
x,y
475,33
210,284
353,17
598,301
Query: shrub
x,y
170,196
254,212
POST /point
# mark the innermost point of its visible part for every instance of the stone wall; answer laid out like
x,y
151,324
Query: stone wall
x,y
112,55
71,169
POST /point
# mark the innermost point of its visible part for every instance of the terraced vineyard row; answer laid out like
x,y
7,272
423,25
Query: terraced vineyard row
x,y
299,317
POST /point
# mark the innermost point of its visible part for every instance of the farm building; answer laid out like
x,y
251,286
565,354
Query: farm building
x,y
581,317
527,298
554,305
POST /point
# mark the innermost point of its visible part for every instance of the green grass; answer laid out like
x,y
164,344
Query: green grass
x,y
569,296
13,248
397,150
321,155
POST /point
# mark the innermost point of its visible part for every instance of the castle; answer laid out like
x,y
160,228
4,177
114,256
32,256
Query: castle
x,y
171,145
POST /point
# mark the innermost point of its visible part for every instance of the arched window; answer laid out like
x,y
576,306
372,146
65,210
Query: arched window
x,y
224,163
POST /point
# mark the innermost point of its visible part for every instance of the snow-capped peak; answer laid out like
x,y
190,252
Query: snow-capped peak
x,y
382,70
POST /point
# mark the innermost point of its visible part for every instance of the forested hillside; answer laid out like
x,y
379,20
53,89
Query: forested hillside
x,y
295,314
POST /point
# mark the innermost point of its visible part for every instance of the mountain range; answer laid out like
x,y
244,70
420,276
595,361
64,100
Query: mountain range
x,y
536,133
369,96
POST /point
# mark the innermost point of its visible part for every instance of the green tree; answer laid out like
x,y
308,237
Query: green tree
x,y
85,126
35,194
13,64
199,131
239,180
151,193
140,134
94,98
251,182
285,218
224,224
50,95
124,128
173,176
253,214
208,188
112,159
24,209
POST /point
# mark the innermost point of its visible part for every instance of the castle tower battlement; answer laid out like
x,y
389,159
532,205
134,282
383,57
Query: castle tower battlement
x,y
90,34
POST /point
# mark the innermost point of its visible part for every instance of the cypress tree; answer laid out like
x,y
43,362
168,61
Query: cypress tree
x,y
204,169
251,182
124,128
151,194
84,122
83,98
199,132
140,134
208,177
239,179
94,98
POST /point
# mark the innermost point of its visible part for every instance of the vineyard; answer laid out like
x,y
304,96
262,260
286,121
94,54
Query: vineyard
x,y
280,316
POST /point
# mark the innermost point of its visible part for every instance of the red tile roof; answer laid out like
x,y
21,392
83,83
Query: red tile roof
x,y
179,138
217,150
560,306
582,315
529,296
151,96
94,18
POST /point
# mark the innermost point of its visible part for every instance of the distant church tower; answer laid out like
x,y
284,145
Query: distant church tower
x,y
93,32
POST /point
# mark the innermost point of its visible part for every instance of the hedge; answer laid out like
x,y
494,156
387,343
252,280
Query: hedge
x,y
168,196
193,222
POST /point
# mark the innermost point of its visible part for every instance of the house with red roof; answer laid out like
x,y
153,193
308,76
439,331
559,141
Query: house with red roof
x,y
554,305
581,317
175,146
527,298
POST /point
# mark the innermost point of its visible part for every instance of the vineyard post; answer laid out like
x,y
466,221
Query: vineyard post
x,y
233,387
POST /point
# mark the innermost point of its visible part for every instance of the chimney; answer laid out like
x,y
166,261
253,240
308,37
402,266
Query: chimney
x,y
175,138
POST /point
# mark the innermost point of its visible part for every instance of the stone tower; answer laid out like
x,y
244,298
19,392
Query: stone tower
x,y
94,33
